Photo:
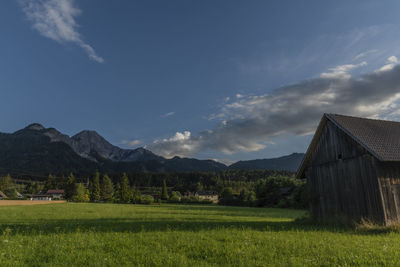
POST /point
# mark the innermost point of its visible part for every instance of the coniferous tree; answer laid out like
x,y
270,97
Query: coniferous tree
x,y
164,192
36,187
125,191
29,188
199,187
135,193
50,183
70,186
32,188
95,188
107,189
117,193
5,182
8,186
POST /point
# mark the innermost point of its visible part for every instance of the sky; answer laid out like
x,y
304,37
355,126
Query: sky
x,y
224,80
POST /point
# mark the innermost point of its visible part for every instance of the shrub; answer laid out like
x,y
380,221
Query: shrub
x,y
206,201
191,199
174,199
81,194
301,196
281,191
146,199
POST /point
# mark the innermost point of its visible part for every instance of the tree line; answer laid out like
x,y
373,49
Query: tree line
x,y
234,187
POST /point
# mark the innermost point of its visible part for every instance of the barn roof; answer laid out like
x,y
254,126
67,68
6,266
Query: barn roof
x,y
379,137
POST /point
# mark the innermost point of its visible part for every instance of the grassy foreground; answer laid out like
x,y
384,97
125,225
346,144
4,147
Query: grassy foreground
x,y
175,235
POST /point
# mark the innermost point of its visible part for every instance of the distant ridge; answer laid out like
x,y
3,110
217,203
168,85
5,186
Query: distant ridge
x,y
288,163
40,150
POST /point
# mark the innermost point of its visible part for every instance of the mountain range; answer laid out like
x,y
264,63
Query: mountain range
x,y
39,150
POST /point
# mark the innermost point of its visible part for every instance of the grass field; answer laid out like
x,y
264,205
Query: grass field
x,y
177,235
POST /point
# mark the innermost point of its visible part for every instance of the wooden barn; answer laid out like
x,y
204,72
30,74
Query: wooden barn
x,y
352,167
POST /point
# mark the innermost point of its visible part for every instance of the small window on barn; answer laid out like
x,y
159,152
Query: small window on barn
x,y
339,156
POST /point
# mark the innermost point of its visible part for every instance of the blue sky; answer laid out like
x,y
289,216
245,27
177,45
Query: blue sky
x,y
226,80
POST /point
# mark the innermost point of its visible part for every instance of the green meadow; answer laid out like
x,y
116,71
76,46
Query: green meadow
x,y
74,234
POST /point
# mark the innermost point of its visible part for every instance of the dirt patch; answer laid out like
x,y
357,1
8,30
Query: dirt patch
x,y
28,202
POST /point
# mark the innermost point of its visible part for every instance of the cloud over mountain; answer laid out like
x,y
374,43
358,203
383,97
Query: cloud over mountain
x,y
248,123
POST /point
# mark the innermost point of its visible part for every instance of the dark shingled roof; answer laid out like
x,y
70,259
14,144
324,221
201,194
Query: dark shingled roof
x,y
381,138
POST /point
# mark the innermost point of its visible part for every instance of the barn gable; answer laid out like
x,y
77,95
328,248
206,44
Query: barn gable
x,y
379,137
334,144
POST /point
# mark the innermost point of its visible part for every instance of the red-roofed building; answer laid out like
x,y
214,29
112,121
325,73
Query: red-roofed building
x,y
56,193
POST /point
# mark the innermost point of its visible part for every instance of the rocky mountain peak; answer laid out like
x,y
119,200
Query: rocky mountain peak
x,y
35,127
87,134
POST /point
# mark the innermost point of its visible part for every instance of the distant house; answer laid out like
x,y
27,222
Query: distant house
x,y
56,193
207,195
39,197
352,167
19,195
2,195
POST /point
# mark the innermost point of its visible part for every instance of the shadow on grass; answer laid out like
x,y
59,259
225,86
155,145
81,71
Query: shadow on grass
x,y
236,210
129,225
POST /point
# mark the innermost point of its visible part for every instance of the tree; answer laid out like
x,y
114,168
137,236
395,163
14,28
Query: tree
x,y
175,196
135,194
50,183
125,191
164,192
199,187
107,189
5,182
70,186
247,196
226,196
269,192
117,194
81,194
95,188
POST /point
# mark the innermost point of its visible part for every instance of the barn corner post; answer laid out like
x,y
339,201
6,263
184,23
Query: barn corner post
x,y
384,219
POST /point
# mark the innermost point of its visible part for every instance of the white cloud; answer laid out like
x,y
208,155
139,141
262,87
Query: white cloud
x,y
342,71
131,142
168,114
239,96
55,19
366,53
249,123
181,144
134,142
390,63
393,59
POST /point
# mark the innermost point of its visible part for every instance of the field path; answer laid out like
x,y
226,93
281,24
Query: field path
x,y
28,202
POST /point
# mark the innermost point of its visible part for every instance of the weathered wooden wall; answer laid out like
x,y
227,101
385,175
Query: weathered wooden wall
x,y
342,177
389,179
